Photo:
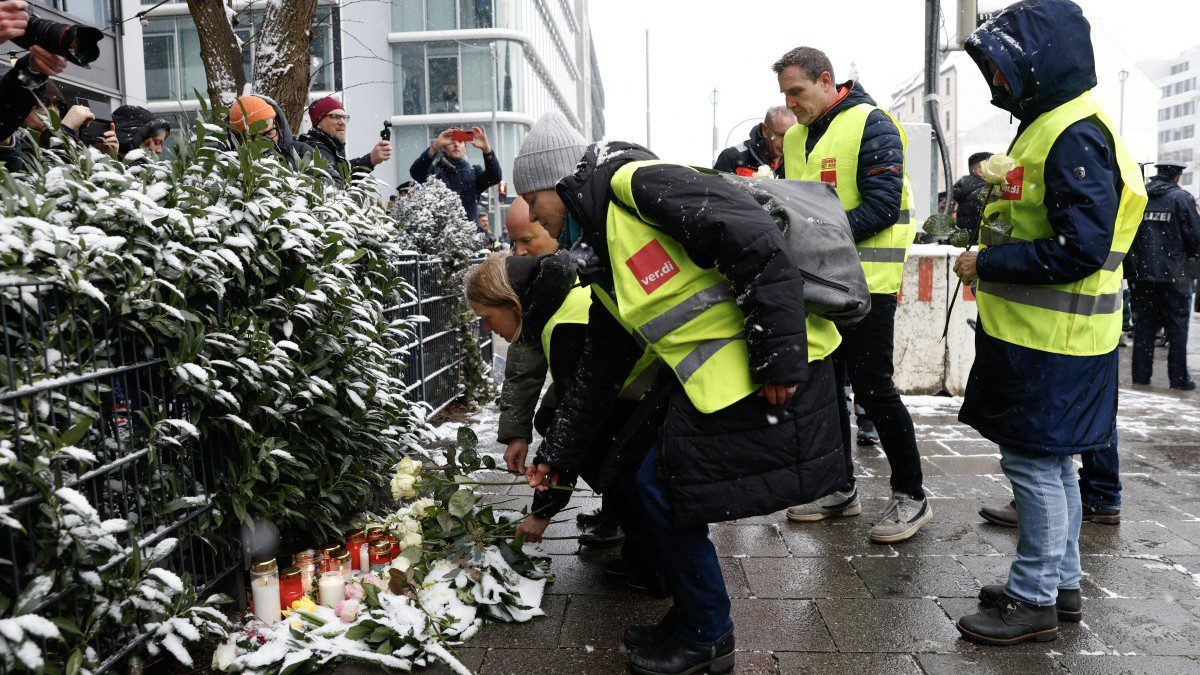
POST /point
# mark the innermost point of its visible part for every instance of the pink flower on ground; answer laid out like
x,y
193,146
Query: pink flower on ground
x,y
375,581
347,610
354,592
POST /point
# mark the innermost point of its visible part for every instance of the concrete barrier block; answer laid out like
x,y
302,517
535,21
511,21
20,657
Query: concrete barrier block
x,y
960,341
919,353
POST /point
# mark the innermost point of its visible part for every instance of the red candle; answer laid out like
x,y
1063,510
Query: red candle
x,y
291,588
355,540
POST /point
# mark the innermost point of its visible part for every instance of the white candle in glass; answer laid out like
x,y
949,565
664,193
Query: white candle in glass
x,y
265,591
332,588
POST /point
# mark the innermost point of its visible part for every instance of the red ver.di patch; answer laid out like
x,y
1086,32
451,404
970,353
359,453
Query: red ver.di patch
x,y
652,266
829,171
1014,182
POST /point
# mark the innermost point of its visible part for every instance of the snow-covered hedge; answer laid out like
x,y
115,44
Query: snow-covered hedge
x,y
265,289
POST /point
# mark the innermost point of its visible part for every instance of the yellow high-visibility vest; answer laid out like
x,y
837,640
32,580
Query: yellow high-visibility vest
x,y
1081,318
834,160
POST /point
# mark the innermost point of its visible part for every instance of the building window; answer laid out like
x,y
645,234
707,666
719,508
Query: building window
x,y
1188,131
1186,178
175,71
1166,91
442,64
1180,67
411,79
1164,114
913,104
475,14
94,12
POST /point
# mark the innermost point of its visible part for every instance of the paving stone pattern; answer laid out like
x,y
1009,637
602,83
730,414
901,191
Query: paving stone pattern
x,y
819,598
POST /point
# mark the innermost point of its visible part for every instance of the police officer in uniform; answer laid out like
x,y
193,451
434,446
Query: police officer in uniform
x,y
1160,286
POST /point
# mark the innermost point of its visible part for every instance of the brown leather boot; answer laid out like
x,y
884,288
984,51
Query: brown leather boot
x,y
1004,516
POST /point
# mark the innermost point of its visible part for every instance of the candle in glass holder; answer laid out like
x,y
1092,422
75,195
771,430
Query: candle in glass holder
x,y
264,589
356,544
305,561
325,556
381,555
332,588
393,543
340,562
291,588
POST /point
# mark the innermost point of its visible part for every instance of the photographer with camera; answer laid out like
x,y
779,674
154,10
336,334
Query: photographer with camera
x,y
446,160
328,137
51,45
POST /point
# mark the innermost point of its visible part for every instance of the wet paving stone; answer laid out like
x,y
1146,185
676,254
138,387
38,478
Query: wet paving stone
x,y
1142,578
787,625
888,625
542,630
911,577
1156,627
1109,664
994,663
1136,538
755,663
747,540
525,661
810,663
838,537
599,622
803,578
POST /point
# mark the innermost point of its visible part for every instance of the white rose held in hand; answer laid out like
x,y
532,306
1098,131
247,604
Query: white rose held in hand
x,y
996,168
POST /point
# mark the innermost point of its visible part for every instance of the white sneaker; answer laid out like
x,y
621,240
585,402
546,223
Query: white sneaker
x,y
829,506
902,518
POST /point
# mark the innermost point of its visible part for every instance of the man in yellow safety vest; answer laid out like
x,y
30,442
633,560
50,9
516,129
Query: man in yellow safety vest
x,y
844,139
1044,382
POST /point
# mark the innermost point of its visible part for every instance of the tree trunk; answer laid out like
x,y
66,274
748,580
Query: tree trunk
x,y
220,52
281,68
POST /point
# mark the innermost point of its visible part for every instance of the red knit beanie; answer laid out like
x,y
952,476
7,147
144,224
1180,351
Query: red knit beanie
x,y
317,111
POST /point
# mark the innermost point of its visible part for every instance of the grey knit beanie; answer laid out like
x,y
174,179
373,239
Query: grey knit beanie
x,y
551,151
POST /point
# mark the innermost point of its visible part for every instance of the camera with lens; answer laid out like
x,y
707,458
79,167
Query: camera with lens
x,y
79,44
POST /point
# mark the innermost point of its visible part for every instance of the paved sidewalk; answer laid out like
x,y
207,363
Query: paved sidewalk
x,y
819,598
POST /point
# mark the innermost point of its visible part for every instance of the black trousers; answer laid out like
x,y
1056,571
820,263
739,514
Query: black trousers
x,y
1160,305
865,356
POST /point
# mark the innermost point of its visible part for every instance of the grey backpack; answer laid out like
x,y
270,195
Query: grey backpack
x,y
812,219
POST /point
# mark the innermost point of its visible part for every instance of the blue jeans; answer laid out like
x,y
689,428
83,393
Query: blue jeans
x,y
1048,513
1100,478
687,559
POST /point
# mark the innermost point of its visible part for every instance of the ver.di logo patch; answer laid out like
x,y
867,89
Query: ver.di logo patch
x,y
1014,184
652,266
829,171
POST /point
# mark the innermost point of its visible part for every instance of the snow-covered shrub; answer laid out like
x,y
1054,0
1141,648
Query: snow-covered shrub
x,y
264,288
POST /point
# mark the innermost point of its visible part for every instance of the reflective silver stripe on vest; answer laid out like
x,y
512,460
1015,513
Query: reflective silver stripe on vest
x,y
883,255
704,351
1055,299
673,319
905,216
993,238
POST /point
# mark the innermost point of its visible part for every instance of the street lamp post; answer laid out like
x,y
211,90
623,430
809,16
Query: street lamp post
x,y
1122,76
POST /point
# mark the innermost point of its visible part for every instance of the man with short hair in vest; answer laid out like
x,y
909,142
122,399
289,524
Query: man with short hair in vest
x,y
847,141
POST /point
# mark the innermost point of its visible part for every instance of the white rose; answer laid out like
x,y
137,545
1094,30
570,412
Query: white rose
x,y
225,654
411,539
995,168
764,171
400,563
408,466
422,506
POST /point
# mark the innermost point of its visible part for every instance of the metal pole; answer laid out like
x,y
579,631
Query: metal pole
x,y
735,127
647,87
715,149
497,224
931,75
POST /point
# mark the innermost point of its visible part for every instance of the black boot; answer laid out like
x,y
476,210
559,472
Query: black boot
x,y
1010,622
1092,514
679,656
1069,604
590,519
605,535
641,637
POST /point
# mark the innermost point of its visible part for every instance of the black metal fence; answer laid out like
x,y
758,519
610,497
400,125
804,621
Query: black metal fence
x,y
74,377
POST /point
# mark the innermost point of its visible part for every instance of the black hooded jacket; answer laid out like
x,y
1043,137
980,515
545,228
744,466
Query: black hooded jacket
x,y
750,457
1168,236
747,155
1017,396
880,163
334,152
